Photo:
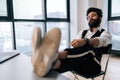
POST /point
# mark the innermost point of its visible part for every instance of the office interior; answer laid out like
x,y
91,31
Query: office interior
x,y
19,17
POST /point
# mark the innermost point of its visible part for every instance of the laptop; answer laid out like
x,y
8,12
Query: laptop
x,y
5,56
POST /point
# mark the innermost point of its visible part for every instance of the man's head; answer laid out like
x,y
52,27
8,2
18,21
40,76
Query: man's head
x,y
94,16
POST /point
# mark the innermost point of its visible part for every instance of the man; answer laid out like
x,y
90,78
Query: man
x,y
83,58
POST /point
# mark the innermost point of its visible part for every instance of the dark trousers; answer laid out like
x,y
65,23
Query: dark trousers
x,y
84,65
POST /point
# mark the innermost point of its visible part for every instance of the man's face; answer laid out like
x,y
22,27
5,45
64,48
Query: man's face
x,y
93,20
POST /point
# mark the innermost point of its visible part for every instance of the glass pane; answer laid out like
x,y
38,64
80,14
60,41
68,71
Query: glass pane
x,y
56,9
65,32
115,31
5,36
23,32
3,8
115,8
28,9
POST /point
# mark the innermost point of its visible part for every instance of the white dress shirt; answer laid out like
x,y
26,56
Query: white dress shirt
x,y
104,39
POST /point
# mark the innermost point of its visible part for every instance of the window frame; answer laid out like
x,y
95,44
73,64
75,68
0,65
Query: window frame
x,y
6,18
110,18
10,12
10,18
59,19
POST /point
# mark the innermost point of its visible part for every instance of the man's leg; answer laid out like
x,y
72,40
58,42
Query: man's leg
x,y
45,55
65,63
77,63
74,51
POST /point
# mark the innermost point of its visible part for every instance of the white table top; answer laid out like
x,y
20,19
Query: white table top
x,y
20,68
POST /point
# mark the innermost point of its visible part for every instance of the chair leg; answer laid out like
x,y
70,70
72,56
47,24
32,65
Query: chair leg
x,y
92,78
103,77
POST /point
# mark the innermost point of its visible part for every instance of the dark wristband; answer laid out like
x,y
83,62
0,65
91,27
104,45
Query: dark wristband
x,y
87,41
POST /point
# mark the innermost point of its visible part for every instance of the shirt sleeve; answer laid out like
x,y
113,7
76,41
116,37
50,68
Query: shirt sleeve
x,y
79,35
104,39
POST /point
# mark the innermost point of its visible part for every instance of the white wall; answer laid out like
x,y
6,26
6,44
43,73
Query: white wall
x,y
78,16
73,18
78,10
103,4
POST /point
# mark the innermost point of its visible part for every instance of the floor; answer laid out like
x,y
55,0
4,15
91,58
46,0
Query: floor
x,y
113,70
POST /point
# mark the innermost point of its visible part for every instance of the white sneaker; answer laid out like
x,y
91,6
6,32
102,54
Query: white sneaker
x,y
47,52
36,41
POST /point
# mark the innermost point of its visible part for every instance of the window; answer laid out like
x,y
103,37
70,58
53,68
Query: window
x,y
21,16
23,31
57,9
5,36
115,8
64,26
28,9
3,8
114,23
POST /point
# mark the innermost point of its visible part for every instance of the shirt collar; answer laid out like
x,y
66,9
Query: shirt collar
x,y
96,29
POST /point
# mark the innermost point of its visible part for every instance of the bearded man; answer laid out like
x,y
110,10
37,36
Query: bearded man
x,y
85,55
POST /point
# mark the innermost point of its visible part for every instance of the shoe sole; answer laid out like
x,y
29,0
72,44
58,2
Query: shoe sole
x,y
36,40
47,52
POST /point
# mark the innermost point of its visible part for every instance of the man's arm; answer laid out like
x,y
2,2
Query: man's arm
x,y
81,42
103,40
94,42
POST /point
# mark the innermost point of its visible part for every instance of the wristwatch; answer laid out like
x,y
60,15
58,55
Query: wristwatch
x,y
87,40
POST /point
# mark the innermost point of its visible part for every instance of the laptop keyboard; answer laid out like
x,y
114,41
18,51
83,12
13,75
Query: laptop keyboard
x,y
4,56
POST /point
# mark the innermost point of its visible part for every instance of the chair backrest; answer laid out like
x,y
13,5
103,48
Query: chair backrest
x,y
107,52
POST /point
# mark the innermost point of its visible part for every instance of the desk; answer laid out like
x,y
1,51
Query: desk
x,y
20,68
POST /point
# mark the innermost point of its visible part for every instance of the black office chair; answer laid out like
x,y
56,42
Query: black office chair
x,y
106,50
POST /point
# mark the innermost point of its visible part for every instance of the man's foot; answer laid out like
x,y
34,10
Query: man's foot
x,y
36,41
47,52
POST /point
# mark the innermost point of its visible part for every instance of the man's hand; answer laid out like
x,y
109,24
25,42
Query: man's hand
x,y
62,54
77,42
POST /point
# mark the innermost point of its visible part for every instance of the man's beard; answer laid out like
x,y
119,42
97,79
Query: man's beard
x,y
95,23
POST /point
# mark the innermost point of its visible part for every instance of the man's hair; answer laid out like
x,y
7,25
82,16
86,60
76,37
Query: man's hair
x,y
97,10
